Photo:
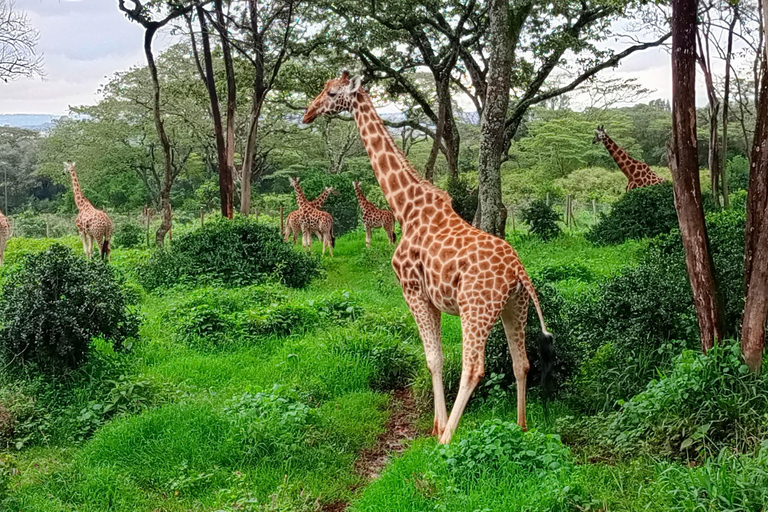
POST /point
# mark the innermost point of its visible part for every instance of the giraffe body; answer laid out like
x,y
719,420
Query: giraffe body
x,y
374,217
5,234
313,222
639,174
292,224
94,226
444,264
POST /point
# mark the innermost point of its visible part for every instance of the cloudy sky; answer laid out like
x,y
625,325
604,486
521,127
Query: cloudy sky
x,y
84,41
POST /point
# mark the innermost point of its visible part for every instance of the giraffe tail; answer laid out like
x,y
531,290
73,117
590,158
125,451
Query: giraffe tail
x,y
333,238
392,236
105,249
546,343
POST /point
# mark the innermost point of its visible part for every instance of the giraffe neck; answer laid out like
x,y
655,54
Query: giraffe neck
x,y
392,170
619,155
320,200
80,200
362,200
301,200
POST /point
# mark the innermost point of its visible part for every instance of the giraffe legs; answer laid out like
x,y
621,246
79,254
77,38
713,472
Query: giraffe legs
x,y
85,237
368,236
427,318
514,317
475,327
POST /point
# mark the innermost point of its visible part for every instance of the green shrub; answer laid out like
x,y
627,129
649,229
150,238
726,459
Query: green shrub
x,y
564,271
202,322
233,252
463,197
128,235
55,304
738,173
706,404
542,220
336,306
640,213
393,365
342,206
279,320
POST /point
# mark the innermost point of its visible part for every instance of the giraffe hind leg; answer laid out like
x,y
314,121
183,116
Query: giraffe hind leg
x,y
514,317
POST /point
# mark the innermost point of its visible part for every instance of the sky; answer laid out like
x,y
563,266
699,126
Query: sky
x,y
83,42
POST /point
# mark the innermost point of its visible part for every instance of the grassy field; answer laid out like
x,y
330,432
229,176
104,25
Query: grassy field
x,y
262,397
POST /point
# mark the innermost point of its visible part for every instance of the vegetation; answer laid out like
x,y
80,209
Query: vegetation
x,y
542,219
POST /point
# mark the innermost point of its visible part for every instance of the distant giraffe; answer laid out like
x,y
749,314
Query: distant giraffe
x,y
638,173
443,263
313,222
92,224
5,234
292,226
374,217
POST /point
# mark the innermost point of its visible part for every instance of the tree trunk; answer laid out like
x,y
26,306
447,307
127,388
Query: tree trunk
x,y
726,106
756,237
491,214
227,182
683,162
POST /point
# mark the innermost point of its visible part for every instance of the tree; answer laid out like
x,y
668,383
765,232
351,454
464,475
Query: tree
x,y
18,41
683,162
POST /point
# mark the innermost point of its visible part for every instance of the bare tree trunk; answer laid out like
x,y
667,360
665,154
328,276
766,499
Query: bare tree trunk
x,y
227,181
684,165
726,105
491,214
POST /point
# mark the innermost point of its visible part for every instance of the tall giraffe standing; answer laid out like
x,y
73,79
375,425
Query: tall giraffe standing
x,y
313,221
92,224
292,225
374,217
638,173
443,263
5,234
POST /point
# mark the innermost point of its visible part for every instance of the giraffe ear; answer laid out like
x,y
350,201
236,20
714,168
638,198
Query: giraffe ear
x,y
354,84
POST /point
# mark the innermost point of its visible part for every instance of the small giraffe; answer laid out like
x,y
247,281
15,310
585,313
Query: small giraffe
x,y
313,222
374,217
92,224
443,263
292,220
638,173
5,234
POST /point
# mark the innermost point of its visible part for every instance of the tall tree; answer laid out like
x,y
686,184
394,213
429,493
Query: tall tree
x,y
756,249
143,15
18,41
683,161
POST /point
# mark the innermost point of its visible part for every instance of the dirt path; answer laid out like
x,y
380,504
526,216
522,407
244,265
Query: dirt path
x,y
399,430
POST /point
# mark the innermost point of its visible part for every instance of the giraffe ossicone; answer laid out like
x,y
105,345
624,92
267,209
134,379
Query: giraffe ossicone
x,y
444,264
639,174
93,225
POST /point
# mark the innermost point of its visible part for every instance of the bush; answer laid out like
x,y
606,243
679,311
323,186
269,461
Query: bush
x,y
128,236
640,213
343,206
542,220
393,365
463,198
55,304
233,252
279,320
738,173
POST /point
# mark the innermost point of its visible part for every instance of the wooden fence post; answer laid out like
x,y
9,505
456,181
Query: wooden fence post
x,y
202,217
512,211
282,227
594,211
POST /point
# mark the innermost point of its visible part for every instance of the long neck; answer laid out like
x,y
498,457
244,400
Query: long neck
x,y
361,199
80,199
320,200
619,155
301,200
392,170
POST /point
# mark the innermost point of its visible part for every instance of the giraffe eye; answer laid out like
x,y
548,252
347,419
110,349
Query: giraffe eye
x,y
332,93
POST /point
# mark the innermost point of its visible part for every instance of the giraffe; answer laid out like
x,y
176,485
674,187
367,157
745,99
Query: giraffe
x,y
292,220
638,173
374,217
92,224
313,221
444,264
5,234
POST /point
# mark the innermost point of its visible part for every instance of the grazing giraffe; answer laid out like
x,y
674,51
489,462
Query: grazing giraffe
x,y
443,263
5,234
638,173
313,222
374,217
92,224
292,220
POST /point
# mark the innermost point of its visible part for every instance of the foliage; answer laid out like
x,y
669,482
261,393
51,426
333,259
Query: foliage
x,y
128,235
593,183
542,219
233,252
54,305
738,173
463,197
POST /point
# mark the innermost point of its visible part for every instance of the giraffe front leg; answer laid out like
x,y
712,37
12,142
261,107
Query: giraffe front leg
x,y
368,236
84,239
514,317
427,318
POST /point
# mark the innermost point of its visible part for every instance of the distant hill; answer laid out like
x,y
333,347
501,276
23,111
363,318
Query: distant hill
x,y
37,122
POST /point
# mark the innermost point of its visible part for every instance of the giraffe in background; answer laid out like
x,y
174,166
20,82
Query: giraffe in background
x,y
374,217
443,263
92,224
638,173
292,221
5,234
313,221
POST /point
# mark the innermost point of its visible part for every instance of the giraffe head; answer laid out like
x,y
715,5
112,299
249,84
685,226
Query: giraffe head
x,y
600,134
69,167
336,96
332,190
293,180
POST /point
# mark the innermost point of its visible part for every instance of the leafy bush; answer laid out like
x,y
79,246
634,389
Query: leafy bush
x,y
463,197
128,235
202,322
738,173
707,403
393,364
55,304
342,206
640,213
542,220
233,252
337,306
279,320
